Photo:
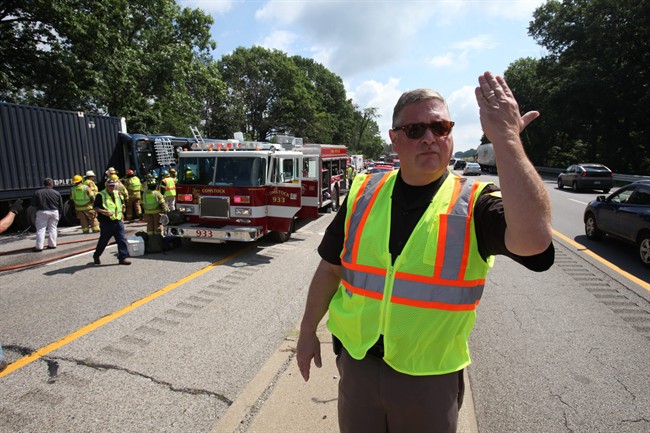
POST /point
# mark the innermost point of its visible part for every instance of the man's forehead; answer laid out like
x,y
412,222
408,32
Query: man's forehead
x,y
423,110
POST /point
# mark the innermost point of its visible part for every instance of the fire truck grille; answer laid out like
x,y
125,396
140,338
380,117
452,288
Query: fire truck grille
x,y
215,207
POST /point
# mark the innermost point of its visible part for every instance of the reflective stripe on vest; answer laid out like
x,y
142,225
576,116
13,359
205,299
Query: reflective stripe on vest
x,y
80,197
446,289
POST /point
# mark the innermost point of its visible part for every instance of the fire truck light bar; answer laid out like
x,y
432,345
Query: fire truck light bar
x,y
185,197
241,199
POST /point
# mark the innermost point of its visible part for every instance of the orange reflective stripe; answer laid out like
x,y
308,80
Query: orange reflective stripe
x,y
359,212
435,305
455,193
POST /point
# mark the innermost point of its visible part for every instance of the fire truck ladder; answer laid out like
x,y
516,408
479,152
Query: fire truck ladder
x,y
197,134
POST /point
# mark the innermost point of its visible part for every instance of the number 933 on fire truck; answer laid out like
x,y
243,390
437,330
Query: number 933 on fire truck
x,y
241,190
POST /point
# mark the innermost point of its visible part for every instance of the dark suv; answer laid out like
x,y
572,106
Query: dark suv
x,y
625,215
586,176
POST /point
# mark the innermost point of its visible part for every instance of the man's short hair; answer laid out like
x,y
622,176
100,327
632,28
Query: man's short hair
x,y
412,96
48,181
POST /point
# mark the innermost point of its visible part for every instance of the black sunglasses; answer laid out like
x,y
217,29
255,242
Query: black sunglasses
x,y
414,131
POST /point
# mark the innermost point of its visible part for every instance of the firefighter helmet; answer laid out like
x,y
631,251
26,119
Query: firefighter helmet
x,y
90,173
130,173
114,177
77,178
164,173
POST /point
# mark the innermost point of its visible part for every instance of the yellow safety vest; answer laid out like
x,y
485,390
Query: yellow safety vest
x,y
423,304
82,201
134,186
170,187
152,202
114,205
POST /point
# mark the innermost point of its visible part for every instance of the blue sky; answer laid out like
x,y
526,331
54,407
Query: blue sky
x,y
383,48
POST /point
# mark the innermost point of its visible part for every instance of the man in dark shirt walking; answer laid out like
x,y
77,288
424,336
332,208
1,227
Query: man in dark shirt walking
x,y
108,206
49,207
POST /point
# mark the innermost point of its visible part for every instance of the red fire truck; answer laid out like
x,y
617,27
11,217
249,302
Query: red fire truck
x,y
240,191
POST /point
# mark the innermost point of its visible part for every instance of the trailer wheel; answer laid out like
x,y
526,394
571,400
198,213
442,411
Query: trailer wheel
x,y
69,213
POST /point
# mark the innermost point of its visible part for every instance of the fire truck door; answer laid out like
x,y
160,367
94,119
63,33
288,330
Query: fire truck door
x,y
311,184
284,195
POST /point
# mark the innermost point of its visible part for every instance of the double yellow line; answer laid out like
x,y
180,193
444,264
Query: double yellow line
x,y
20,363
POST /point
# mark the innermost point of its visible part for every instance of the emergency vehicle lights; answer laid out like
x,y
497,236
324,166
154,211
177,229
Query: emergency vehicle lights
x,y
184,197
242,211
241,199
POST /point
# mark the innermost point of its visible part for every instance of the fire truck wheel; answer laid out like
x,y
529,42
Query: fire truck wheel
x,y
281,237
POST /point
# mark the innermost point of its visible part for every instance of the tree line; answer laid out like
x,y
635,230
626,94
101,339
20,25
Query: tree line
x,y
150,62
592,86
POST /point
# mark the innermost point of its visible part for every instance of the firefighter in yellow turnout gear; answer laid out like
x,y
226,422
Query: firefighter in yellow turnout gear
x,y
154,206
83,197
168,189
134,187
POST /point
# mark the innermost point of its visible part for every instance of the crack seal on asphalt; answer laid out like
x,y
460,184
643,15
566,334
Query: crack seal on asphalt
x,y
53,370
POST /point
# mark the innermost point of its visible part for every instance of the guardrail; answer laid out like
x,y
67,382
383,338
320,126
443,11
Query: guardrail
x,y
619,179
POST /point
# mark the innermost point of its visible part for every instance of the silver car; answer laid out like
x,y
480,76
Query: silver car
x,y
472,168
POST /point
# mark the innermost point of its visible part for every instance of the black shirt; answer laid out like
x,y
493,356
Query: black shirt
x,y
47,199
409,204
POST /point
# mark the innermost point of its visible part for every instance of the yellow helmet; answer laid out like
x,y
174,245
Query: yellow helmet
x,y
77,178
113,177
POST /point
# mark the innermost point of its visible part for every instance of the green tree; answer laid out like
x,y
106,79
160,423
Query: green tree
x,y
597,69
145,60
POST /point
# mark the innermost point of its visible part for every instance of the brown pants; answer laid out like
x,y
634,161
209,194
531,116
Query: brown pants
x,y
88,218
133,208
374,398
153,223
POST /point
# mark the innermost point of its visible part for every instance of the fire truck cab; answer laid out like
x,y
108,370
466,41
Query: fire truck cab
x,y
258,189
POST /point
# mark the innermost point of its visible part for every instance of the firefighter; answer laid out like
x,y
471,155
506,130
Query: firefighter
x,y
120,188
83,197
154,206
90,182
168,189
172,173
134,187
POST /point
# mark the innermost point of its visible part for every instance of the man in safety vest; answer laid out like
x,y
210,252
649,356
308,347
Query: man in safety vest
x,y
108,206
90,182
405,260
133,186
83,198
168,189
154,205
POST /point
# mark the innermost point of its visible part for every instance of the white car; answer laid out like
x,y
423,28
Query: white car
x,y
472,168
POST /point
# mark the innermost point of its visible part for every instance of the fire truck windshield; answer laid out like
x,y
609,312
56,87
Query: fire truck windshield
x,y
222,170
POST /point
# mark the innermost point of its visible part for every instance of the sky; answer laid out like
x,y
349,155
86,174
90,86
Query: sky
x,y
382,48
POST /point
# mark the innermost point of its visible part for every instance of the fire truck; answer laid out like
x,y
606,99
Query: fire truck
x,y
234,190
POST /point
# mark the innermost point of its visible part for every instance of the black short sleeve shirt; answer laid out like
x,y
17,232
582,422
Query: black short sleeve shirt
x,y
408,206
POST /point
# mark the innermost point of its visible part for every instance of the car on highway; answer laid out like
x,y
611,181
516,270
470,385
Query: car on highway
x,y
472,168
459,164
586,176
625,215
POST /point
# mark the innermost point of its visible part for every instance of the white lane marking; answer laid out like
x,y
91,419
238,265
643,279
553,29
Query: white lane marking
x,y
578,201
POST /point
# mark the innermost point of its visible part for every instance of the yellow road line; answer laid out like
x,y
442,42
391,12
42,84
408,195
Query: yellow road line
x,y
610,265
109,318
